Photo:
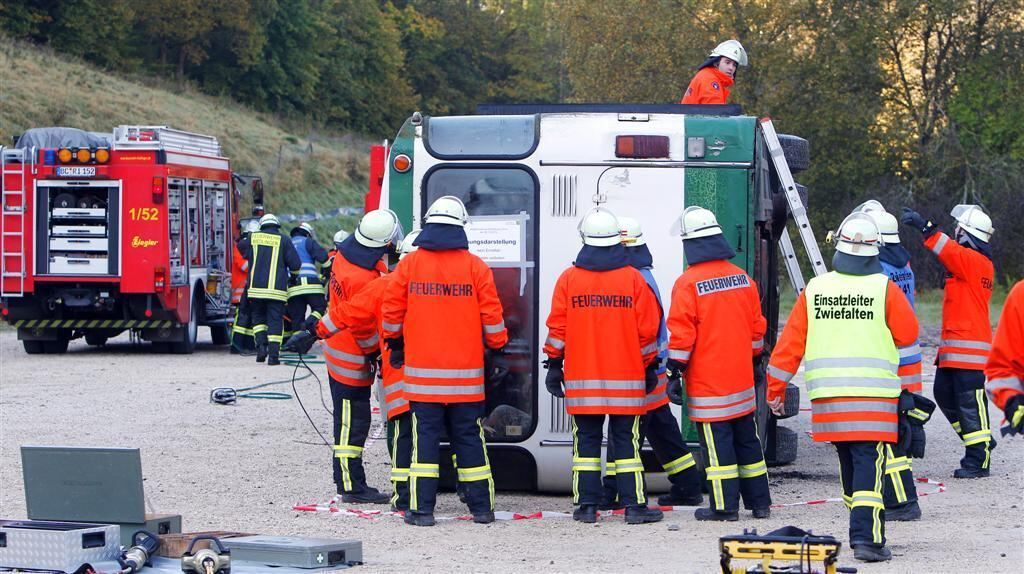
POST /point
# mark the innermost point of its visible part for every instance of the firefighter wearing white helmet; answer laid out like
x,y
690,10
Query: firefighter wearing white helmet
x,y
659,426
900,489
716,75
349,354
272,260
715,321
966,331
847,328
408,245
339,237
603,298
307,288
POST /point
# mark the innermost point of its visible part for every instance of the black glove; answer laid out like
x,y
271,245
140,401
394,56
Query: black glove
x,y
310,325
1014,416
913,219
555,378
675,391
495,365
906,404
917,441
300,343
373,356
651,376
397,348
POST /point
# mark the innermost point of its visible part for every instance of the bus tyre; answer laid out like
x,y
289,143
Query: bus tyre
x,y
785,447
220,334
33,347
791,404
797,151
95,339
190,331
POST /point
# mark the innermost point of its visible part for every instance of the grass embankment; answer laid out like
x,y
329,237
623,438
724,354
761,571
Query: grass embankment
x,y
302,173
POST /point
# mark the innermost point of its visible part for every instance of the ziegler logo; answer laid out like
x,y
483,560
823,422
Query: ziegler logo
x,y
139,242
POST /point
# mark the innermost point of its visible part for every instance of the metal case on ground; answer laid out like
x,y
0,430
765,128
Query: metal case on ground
x,y
62,546
296,551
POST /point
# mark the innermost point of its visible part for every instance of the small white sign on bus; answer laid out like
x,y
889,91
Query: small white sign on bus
x,y
496,240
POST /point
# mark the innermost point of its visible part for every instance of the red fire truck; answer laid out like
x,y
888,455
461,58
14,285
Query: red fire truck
x,y
125,231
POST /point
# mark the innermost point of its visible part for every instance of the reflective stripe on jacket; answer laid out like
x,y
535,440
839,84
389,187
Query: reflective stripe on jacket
x,y
345,357
1005,368
716,329
272,258
445,305
966,329
605,325
848,328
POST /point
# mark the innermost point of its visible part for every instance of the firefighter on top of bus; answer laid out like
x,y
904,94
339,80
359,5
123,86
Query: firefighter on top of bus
x,y
716,75
659,426
272,259
966,330
847,327
710,294
602,347
440,311
306,289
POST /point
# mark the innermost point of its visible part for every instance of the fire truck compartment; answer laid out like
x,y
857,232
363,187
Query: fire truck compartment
x,y
77,234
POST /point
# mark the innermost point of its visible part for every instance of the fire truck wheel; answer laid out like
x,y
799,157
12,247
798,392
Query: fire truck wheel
x,y
190,333
220,334
58,347
95,339
33,347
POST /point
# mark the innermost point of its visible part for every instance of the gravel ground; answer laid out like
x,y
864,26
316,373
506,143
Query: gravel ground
x,y
243,467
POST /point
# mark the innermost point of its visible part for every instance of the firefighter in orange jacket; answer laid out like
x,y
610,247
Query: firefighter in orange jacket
x,y
440,310
847,326
350,360
716,75
1005,367
603,327
659,427
715,319
966,330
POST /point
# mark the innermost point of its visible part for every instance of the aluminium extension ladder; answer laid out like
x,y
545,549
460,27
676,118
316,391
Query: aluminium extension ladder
x,y
14,162
799,211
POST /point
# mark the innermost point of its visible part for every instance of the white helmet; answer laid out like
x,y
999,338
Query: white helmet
x,y
448,210
858,235
631,232
406,246
252,226
269,219
340,236
599,228
697,222
887,226
731,49
869,206
307,228
974,221
377,228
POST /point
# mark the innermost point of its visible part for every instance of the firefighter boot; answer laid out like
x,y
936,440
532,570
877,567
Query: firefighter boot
x,y
871,553
706,514
766,512
483,517
419,518
586,513
261,352
365,495
274,357
642,514
904,513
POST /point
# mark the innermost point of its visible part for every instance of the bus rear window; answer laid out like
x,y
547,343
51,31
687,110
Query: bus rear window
x,y
481,137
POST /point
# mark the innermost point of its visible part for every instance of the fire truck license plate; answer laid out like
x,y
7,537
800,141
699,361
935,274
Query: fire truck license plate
x,y
76,171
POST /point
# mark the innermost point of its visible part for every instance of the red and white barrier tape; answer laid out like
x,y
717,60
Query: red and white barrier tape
x,y
333,508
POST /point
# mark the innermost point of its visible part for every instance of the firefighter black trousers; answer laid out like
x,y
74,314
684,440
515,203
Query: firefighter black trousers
x,y
960,394
267,323
861,472
624,440
735,464
241,332
297,309
899,488
462,421
351,427
661,429
400,449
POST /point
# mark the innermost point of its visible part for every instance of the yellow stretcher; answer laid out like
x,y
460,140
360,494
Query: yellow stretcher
x,y
786,545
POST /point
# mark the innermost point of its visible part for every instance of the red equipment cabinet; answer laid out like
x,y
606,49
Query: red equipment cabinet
x,y
103,233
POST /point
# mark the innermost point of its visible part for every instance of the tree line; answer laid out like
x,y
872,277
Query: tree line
x,y
918,104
